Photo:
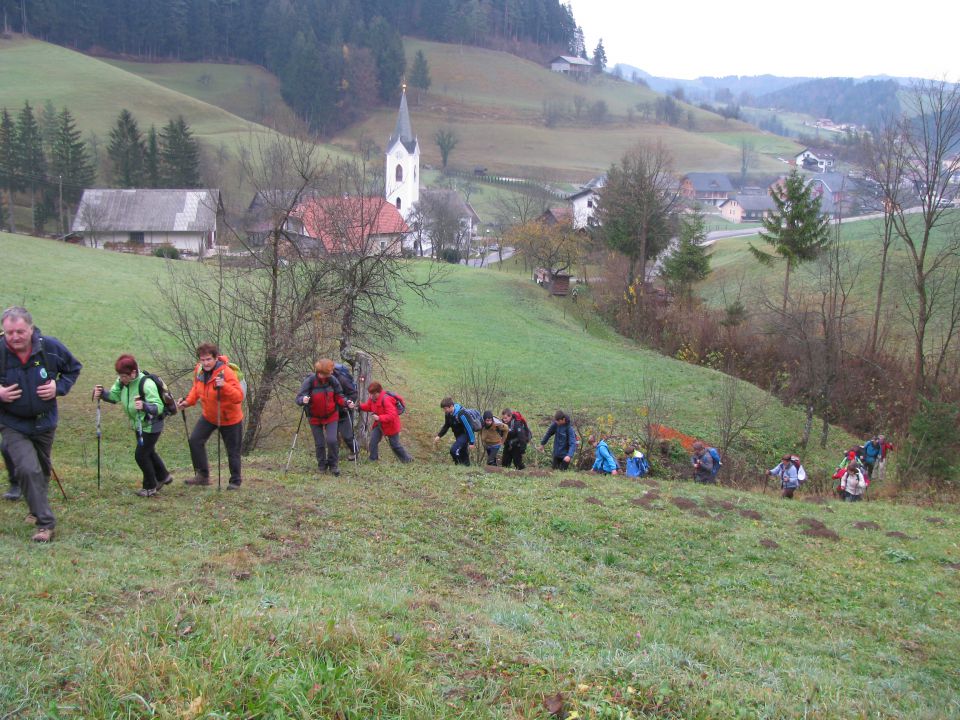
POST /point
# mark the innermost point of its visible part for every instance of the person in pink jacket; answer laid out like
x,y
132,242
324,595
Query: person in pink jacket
x,y
386,421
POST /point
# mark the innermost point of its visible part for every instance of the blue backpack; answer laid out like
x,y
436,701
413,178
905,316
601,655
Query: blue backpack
x,y
637,466
715,454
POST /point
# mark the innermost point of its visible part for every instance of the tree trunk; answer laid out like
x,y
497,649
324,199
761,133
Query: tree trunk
x,y
921,331
807,426
875,331
786,292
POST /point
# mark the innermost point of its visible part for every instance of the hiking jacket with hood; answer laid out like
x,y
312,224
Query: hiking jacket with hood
x,y
385,408
29,414
703,468
854,483
229,399
564,438
787,472
494,434
459,423
146,420
871,452
518,434
326,399
604,460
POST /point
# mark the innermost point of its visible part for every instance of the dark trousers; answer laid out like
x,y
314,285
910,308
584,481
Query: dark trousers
x,y
560,464
460,450
345,428
788,493
513,455
8,463
327,447
231,436
30,456
149,461
376,434
850,497
492,452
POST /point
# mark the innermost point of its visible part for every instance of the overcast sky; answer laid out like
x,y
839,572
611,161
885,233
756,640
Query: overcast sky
x,y
849,38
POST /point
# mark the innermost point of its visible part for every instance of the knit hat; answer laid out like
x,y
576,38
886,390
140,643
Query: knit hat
x,y
487,415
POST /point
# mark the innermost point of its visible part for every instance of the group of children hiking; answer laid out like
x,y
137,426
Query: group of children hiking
x,y
853,473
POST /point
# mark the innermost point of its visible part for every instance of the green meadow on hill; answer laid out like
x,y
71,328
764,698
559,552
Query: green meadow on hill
x,y
431,591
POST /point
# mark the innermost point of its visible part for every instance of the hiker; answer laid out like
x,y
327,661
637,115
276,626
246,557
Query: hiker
x,y
702,462
787,472
635,464
456,419
885,447
871,454
518,436
386,421
851,456
853,483
564,440
34,370
218,390
603,462
321,395
493,434
345,419
141,399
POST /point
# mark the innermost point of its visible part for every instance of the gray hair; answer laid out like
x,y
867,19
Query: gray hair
x,y
15,312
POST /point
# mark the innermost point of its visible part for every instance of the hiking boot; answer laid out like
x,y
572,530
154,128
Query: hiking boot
x,y
30,519
197,480
43,536
335,471
166,481
351,457
146,492
233,486
13,493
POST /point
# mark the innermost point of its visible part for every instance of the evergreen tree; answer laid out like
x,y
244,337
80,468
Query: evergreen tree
x,y
797,230
10,180
126,151
151,160
31,163
70,162
420,73
48,125
600,57
179,155
387,47
689,263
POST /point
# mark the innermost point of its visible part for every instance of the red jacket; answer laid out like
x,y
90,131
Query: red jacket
x,y
325,400
385,408
228,403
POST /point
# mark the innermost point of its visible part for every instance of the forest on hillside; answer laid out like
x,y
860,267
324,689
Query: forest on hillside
x,y
843,100
335,58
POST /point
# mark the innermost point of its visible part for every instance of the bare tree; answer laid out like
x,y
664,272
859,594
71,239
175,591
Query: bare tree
x,y
556,248
650,402
736,411
440,213
480,386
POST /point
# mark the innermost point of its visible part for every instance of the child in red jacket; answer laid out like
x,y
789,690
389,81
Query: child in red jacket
x,y
386,421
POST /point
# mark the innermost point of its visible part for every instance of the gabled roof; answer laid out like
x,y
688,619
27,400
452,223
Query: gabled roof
x,y
572,60
138,210
709,182
754,203
835,182
403,131
348,224
557,216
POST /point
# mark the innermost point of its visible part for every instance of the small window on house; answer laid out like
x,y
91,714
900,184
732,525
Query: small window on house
x,y
399,173
383,245
136,238
398,203
589,203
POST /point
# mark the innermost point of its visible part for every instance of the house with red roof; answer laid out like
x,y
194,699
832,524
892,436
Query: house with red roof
x,y
354,225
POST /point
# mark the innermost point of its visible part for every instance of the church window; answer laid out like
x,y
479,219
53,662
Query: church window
x,y
398,203
399,173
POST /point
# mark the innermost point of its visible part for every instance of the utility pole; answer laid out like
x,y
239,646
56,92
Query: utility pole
x,y
60,206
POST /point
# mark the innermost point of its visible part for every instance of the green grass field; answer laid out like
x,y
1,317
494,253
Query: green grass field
x,y
432,591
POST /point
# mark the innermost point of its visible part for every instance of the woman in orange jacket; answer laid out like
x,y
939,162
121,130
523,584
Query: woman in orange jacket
x,y
218,390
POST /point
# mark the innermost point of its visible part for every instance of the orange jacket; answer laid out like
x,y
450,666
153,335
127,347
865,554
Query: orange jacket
x,y
230,399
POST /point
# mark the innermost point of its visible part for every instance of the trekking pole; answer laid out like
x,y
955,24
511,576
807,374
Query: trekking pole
x,y
355,446
99,435
186,430
53,472
219,434
295,435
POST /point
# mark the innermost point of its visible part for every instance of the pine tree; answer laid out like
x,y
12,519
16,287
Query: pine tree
x,y
70,162
31,164
10,180
797,230
420,73
126,151
48,125
387,47
600,57
689,263
151,160
179,156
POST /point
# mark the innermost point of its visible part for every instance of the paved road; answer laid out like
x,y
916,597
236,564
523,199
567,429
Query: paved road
x,y
489,258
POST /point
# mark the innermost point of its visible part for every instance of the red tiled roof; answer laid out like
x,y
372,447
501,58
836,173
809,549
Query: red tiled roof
x,y
349,223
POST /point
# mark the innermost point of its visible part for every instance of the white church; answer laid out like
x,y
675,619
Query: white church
x,y
403,163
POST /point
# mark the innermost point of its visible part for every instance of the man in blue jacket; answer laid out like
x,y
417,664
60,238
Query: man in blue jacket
x,y
564,440
34,370
464,440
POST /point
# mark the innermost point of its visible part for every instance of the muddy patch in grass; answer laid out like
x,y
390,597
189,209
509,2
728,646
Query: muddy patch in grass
x,y
684,503
953,566
750,514
471,573
719,504
935,520
866,525
647,500
769,544
815,528
701,513
593,501
899,535
573,484
537,472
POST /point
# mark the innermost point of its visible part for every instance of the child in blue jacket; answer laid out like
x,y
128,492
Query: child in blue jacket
x,y
604,462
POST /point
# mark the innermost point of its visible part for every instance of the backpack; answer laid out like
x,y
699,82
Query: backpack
x,y
398,401
335,389
347,383
523,435
801,473
473,417
715,454
637,466
239,373
169,407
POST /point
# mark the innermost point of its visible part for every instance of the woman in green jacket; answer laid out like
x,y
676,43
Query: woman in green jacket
x,y
140,397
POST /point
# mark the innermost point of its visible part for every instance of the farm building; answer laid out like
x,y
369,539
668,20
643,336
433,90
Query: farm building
x,y
555,283
706,188
185,219
569,65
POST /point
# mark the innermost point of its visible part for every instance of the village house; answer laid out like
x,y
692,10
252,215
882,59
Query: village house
x,y
187,220
706,188
814,160
570,65
469,220
747,207
337,225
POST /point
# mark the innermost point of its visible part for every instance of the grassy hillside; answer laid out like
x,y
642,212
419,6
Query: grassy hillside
x,y
495,102
432,591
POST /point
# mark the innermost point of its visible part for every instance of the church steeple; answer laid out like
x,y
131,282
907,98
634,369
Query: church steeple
x,y
402,186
